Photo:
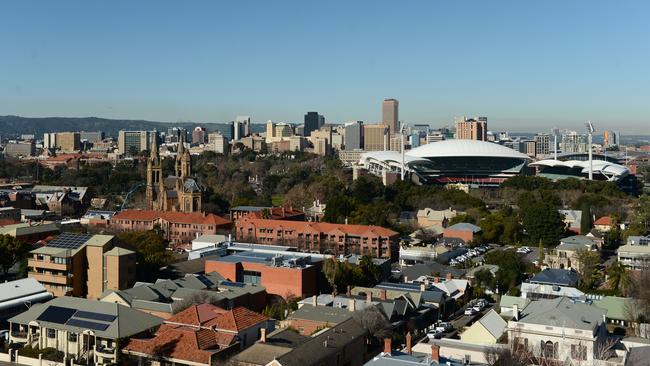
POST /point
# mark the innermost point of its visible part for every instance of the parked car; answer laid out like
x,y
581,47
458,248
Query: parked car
x,y
470,311
434,334
444,327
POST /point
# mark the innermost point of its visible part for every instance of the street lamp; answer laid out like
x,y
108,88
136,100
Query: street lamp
x,y
590,130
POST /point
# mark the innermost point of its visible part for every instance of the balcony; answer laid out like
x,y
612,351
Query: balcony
x,y
35,263
59,279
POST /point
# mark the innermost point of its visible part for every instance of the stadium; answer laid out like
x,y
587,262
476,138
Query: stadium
x,y
451,161
561,169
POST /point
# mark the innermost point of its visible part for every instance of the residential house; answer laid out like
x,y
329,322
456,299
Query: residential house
x,y
201,335
30,232
309,319
84,330
551,283
560,329
486,331
62,200
462,230
636,253
82,265
166,297
604,224
437,219
344,344
572,220
180,228
507,305
565,255
435,269
618,309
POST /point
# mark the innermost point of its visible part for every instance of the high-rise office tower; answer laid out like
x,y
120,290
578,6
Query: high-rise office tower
x,y
198,135
129,142
245,123
375,137
543,144
312,122
390,116
283,130
270,131
354,135
610,139
471,128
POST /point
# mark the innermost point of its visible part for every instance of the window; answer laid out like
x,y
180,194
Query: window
x,y
549,349
252,277
72,337
51,333
578,352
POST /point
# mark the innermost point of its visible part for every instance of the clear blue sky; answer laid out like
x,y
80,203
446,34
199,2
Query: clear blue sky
x,y
526,65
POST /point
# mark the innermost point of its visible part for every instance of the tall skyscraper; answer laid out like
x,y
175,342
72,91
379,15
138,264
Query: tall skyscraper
x,y
312,122
610,139
390,116
245,125
375,137
198,135
133,141
543,144
471,128
354,135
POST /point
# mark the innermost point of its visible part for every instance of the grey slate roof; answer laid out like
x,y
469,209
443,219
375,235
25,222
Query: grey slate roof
x,y
428,269
554,276
493,323
464,226
563,312
128,321
327,314
575,243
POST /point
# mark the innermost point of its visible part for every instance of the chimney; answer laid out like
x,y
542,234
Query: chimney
x,y
382,294
435,353
449,276
388,347
349,291
515,312
352,305
423,287
369,297
436,279
406,279
314,300
263,335
408,343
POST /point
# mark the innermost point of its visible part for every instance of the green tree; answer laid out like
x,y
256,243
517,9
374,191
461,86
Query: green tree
x,y
334,273
512,268
12,251
585,219
151,251
541,221
484,278
338,209
618,278
589,262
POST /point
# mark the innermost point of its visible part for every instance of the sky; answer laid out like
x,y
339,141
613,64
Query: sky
x,y
526,65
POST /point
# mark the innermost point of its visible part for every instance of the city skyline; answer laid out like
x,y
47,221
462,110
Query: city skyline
x,y
530,68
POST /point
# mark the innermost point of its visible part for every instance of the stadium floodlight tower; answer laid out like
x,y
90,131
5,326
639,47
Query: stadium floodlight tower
x,y
403,133
555,132
590,130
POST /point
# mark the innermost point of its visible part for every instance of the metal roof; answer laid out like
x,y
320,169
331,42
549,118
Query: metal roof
x,y
465,148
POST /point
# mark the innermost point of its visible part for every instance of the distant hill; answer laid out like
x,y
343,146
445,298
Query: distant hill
x,y
16,125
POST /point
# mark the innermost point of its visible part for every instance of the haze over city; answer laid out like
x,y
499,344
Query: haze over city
x,y
528,66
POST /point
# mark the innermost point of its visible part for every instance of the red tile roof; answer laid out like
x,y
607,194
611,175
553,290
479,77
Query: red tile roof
x,y
175,217
605,220
189,335
321,227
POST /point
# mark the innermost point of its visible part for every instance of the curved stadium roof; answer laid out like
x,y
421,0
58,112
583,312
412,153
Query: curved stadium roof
x,y
465,148
610,170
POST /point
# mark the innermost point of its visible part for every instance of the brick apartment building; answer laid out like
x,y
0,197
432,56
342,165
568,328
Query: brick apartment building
x,y
322,237
179,227
82,265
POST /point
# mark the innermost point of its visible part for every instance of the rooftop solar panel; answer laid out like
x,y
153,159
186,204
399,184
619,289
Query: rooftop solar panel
x,y
56,314
232,284
94,316
87,324
69,241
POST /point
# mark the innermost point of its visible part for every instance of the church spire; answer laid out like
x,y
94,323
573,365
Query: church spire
x,y
154,145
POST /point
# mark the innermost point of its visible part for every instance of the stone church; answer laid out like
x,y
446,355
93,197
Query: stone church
x,y
179,192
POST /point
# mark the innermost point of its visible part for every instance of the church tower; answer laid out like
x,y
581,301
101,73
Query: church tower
x,y
154,176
